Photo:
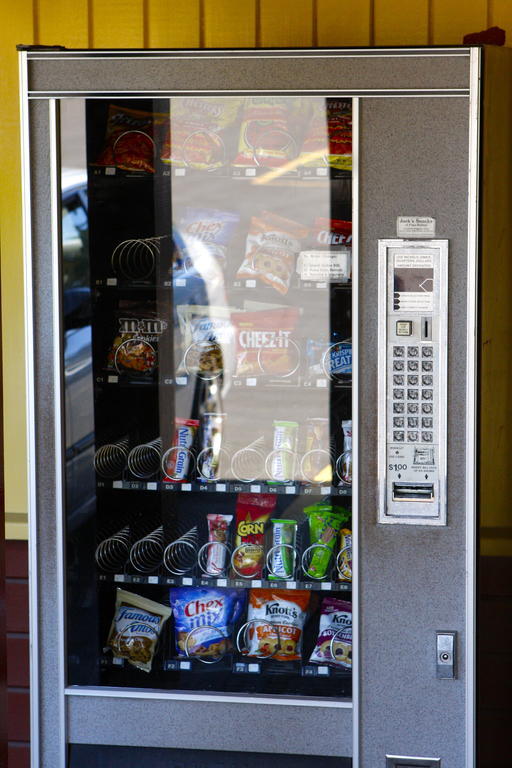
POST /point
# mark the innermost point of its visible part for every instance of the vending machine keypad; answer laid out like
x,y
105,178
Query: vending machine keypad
x,y
412,402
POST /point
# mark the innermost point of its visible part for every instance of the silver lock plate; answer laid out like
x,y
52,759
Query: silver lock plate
x,y
445,655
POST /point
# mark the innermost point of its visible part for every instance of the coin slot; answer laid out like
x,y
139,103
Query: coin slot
x,y
413,492
426,328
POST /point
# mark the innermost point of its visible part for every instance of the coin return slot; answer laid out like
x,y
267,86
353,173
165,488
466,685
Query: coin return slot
x,y
413,492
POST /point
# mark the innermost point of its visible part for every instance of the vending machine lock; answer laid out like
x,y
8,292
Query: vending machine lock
x,y
445,655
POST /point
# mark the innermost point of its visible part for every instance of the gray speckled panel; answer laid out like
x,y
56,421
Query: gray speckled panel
x,y
50,703
414,161
223,71
210,725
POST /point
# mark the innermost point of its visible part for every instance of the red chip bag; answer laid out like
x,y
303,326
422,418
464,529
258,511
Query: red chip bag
x,y
130,137
265,343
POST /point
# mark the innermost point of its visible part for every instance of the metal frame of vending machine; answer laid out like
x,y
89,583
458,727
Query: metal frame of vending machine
x,y
417,158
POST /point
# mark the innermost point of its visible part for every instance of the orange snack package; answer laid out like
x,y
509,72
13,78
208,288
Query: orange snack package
x,y
278,617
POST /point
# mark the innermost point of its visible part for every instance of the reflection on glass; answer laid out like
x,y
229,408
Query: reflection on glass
x,y
210,241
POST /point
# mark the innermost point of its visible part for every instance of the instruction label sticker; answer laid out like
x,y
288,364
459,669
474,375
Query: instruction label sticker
x,y
415,226
413,282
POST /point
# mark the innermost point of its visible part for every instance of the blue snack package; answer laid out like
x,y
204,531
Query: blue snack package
x,y
204,618
206,231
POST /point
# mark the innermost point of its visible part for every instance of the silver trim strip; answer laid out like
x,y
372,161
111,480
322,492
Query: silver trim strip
x,y
55,226
30,426
228,698
355,434
242,53
471,404
374,93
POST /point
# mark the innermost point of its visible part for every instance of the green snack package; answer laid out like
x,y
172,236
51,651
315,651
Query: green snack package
x,y
282,559
325,522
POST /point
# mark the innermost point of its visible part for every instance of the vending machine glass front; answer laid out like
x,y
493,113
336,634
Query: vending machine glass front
x,y
207,294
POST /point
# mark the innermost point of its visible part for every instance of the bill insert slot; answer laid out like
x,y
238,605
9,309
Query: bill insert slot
x,y
413,492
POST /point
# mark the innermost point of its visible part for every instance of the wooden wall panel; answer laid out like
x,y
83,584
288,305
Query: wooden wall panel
x,y
172,24
62,24
117,23
452,19
229,23
342,22
401,22
286,23
500,15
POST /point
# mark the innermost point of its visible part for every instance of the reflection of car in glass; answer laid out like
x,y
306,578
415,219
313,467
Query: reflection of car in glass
x,y
77,343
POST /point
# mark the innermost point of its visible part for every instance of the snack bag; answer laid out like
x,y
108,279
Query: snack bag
x,y
198,132
264,343
130,136
283,552
265,134
218,526
286,610
206,233
329,254
176,461
206,339
252,513
272,245
134,349
325,522
136,628
283,458
329,136
334,642
344,560
204,619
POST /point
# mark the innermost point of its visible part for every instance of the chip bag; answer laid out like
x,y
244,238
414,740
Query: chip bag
x,y
197,133
252,513
206,233
278,618
328,138
130,138
325,522
272,245
204,618
136,628
134,348
266,137
334,642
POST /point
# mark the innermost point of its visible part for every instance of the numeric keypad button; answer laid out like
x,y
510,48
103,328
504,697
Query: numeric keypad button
x,y
412,351
398,422
413,381
427,394
412,422
398,437
426,422
398,394
398,351
426,437
398,381
398,407
427,381
412,394
427,366
412,365
426,408
412,437
412,408
427,352
398,365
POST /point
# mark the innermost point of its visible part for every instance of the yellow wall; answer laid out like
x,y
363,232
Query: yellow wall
x,y
178,24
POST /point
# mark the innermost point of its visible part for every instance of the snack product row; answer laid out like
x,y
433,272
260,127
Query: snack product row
x,y
264,343
213,133
286,452
276,250
209,624
254,542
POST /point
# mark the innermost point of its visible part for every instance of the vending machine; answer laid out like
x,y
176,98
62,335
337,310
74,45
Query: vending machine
x,y
253,286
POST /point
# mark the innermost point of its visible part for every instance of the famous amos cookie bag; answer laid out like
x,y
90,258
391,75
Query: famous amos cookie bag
x,y
276,623
136,628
